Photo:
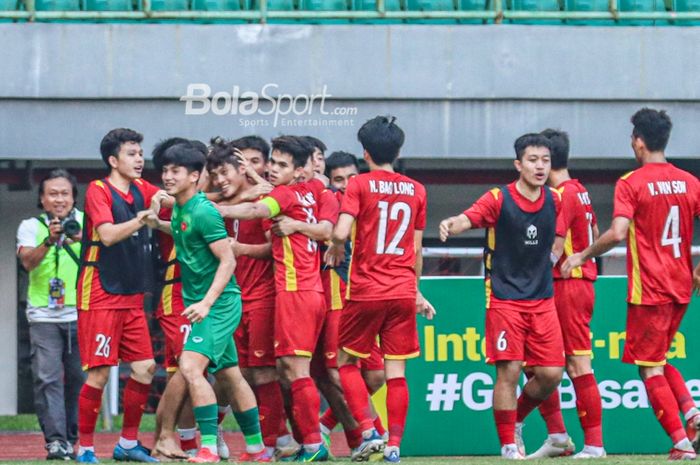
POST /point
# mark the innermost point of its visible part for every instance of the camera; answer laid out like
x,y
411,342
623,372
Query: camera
x,y
70,226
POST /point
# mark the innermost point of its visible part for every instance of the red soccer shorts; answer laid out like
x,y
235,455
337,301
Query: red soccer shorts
x,y
255,334
298,321
650,332
394,321
532,337
327,346
333,290
176,328
107,336
375,360
574,300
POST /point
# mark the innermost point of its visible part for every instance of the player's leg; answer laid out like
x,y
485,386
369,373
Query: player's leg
x,y
646,345
170,408
372,370
588,404
223,409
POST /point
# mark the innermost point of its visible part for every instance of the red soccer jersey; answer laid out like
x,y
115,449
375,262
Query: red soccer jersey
x,y
484,213
388,208
661,201
579,219
297,260
328,203
98,211
171,302
254,276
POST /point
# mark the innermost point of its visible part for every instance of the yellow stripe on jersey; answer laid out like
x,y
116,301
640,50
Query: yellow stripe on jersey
x,y
352,254
626,175
290,273
636,297
402,357
495,192
643,363
336,300
487,287
569,251
167,295
491,244
86,291
100,184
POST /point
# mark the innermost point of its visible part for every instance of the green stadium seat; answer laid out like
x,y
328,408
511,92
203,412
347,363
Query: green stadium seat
x,y
10,5
169,5
57,5
371,5
534,5
216,5
686,5
642,6
108,5
324,5
277,5
472,5
589,5
431,5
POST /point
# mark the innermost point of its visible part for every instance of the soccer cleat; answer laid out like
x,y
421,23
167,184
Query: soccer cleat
x,y
288,452
261,457
391,454
519,438
56,451
511,452
551,448
221,446
591,452
385,437
135,454
680,454
87,456
204,455
320,455
70,450
692,430
290,457
370,445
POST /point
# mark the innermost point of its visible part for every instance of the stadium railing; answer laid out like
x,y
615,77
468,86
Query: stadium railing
x,y
674,12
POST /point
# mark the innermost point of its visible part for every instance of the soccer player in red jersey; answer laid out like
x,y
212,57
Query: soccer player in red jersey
x,y
655,206
574,297
111,323
522,221
299,305
388,213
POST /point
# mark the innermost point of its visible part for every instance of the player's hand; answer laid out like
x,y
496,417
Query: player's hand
x,y
284,226
258,190
204,183
696,280
335,255
574,261
424,307
445,227
196,312
151,219
158,199
235,246
55,230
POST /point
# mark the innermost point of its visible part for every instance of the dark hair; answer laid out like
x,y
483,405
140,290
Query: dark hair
x,y
530,140
55,174
163,146
340,160
113,140
653,127
559,147
253,143
382,139
220,152
316,143
299,149
188,155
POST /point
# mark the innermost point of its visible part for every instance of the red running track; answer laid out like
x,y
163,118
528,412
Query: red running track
x,y
30,446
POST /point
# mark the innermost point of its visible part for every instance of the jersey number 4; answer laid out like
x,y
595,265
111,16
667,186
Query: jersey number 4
x,y
386,214
672,234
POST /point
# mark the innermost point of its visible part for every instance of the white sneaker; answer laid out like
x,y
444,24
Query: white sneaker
x,y
511,452
591,452
519,438
289,449
552,448
221,446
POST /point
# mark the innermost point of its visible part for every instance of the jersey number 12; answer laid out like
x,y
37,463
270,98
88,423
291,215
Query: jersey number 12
x,y
387,214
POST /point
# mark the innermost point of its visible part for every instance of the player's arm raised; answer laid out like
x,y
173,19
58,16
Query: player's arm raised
x,y
227,264
608,240
335,255
454,225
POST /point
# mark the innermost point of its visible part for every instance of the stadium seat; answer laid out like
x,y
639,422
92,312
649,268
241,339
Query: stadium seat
x,y
472,5
57,5
686,5
431,5
216,5
278,5
169,5
108,5
642,6
534,5
589,5
9,5
324,5
371,5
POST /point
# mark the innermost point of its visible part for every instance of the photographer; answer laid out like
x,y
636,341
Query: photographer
x,y
48,246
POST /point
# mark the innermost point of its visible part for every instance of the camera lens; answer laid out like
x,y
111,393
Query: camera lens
x,y
71,227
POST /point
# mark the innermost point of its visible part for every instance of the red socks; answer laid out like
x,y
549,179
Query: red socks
x,y
328,419
378,426
271,407
679,389
526,404
590,409
135,399
664,404
505,425
305,407
89,404
356,395
550,409
397,408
